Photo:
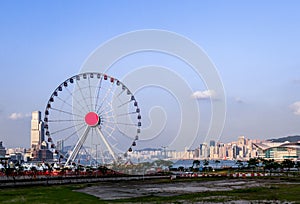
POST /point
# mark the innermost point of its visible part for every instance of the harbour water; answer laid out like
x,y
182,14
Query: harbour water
x,y
211,163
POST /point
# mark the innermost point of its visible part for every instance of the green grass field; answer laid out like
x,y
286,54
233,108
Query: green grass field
x,y
282,193
46,194
66,194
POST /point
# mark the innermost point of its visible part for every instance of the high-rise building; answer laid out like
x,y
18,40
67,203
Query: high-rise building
x,y
212,143
205,151
60,145
39,147
241,141
37,130
2,150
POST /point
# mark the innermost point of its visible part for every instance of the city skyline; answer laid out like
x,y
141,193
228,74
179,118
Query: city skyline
x,y
241,149
254,46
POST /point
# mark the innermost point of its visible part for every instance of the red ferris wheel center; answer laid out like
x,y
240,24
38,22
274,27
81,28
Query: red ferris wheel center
x,y
92,119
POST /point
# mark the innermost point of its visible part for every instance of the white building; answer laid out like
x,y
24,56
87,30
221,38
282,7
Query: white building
x,y
37,130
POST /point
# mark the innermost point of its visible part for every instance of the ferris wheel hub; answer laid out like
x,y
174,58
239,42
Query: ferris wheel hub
x,y
92,119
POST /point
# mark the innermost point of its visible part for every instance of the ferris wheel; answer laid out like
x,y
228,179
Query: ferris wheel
x,y
92,119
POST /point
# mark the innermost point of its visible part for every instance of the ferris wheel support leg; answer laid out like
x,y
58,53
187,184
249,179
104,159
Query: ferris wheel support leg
x,y
106,143
78,145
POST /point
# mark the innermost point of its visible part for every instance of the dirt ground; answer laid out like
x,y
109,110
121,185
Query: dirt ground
x,y
130,189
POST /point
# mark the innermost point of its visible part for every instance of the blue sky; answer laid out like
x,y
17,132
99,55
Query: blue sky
x,y
254,45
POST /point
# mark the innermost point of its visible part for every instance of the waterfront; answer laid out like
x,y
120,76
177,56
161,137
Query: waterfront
x,y
214,164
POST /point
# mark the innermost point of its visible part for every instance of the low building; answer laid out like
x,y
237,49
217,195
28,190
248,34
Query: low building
x,y
42,155
280,151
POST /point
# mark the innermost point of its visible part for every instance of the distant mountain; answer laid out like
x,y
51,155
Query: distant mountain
x,y
149,149
294,138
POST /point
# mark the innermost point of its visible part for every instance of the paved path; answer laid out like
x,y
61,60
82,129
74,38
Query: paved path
x,y
112,191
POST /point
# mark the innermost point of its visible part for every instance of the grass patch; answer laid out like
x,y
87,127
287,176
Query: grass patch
x,y
283,192
46,194
65,194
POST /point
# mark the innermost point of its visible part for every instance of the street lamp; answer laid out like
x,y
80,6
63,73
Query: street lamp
x,y
164,147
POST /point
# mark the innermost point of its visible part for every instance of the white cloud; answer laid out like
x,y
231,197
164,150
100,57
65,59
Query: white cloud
x,y
204,95
17,116
296,108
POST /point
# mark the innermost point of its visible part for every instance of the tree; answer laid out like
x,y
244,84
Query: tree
x,y
161,162
33,170
10,172
288,164
20,170
217,162
253,163
297,165
206,163
239,163
271,165
181,168
196,164
102,169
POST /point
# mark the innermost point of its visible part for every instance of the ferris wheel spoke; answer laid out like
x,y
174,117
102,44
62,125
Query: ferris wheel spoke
x,y
90,92
110,134
82,95
77,102
70,120
107,112
98,92
110,127
125,114
119,123
108,118
67,103
75,132
106,144
127,102
78,145
119,94
64,129
66,112
108,91
108,108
